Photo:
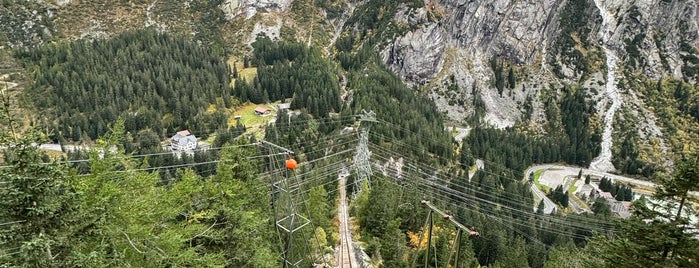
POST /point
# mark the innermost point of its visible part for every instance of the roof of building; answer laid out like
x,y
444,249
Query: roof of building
x,y
261,110
284,106
183,135
606,195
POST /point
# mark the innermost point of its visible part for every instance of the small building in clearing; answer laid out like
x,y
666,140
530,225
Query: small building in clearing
x,y
183,140
261,111
284,106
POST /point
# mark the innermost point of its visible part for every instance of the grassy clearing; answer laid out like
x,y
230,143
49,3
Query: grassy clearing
x,y
254,123
248,74
572,188
248,116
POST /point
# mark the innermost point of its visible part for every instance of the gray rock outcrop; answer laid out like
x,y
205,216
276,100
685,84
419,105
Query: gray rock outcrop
x,y
512,29
418,55
235,8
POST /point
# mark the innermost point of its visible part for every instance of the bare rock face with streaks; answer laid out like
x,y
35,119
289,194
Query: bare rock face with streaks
x,y
513,29
418,55
249,8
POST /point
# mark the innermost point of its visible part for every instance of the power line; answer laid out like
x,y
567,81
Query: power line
x,y
475,190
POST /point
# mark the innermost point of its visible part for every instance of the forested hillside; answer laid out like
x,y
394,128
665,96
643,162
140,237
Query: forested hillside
x,y
116,215
153,80
124,200
291,69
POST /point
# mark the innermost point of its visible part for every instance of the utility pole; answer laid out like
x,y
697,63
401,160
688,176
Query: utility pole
x,y
284,197
429,223
361,157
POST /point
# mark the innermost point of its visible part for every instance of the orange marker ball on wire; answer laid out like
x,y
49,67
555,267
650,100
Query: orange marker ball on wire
x,y
291,164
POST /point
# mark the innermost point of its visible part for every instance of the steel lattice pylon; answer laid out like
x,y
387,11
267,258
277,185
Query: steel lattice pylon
x,y
288,221
362,156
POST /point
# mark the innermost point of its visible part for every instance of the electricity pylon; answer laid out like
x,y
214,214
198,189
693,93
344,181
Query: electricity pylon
x,y
362,156
288,221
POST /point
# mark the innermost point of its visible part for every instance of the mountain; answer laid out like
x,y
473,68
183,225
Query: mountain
x,y
637,62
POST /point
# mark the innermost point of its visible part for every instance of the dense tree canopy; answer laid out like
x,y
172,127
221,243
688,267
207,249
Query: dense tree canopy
x,y
119,216
152,80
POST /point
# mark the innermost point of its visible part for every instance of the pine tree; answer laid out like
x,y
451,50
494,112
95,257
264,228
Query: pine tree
x,y
36,207
659,233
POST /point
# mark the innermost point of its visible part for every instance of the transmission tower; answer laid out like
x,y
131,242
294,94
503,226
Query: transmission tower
x,y
361,157
288,221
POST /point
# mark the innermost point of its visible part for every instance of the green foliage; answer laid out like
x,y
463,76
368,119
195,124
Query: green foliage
x,y
628,158
582,143
515,150
560,196
379,211
118,216
601,208
511,79
141,76
467,159
393,245
226,135
676,105
571,258
515,256
374,21
319,207
36,206
658,234
208,24
619,191
411,118
498,69
290,69
478,108
573,24
333,8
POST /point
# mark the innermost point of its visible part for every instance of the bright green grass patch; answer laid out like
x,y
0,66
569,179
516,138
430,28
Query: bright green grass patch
x,y
248,116
248,74
572,188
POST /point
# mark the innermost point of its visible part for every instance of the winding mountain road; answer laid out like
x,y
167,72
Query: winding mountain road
x,y
549,206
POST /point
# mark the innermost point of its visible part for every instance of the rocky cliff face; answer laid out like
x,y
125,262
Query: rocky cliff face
x,y
547,43
648,34
516,30
418,55
454,50
248,8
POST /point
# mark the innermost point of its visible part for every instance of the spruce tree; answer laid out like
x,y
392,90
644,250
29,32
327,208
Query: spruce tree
x,y
659,233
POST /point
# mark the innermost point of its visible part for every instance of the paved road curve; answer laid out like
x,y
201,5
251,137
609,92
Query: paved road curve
x,y
549,206
574,172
